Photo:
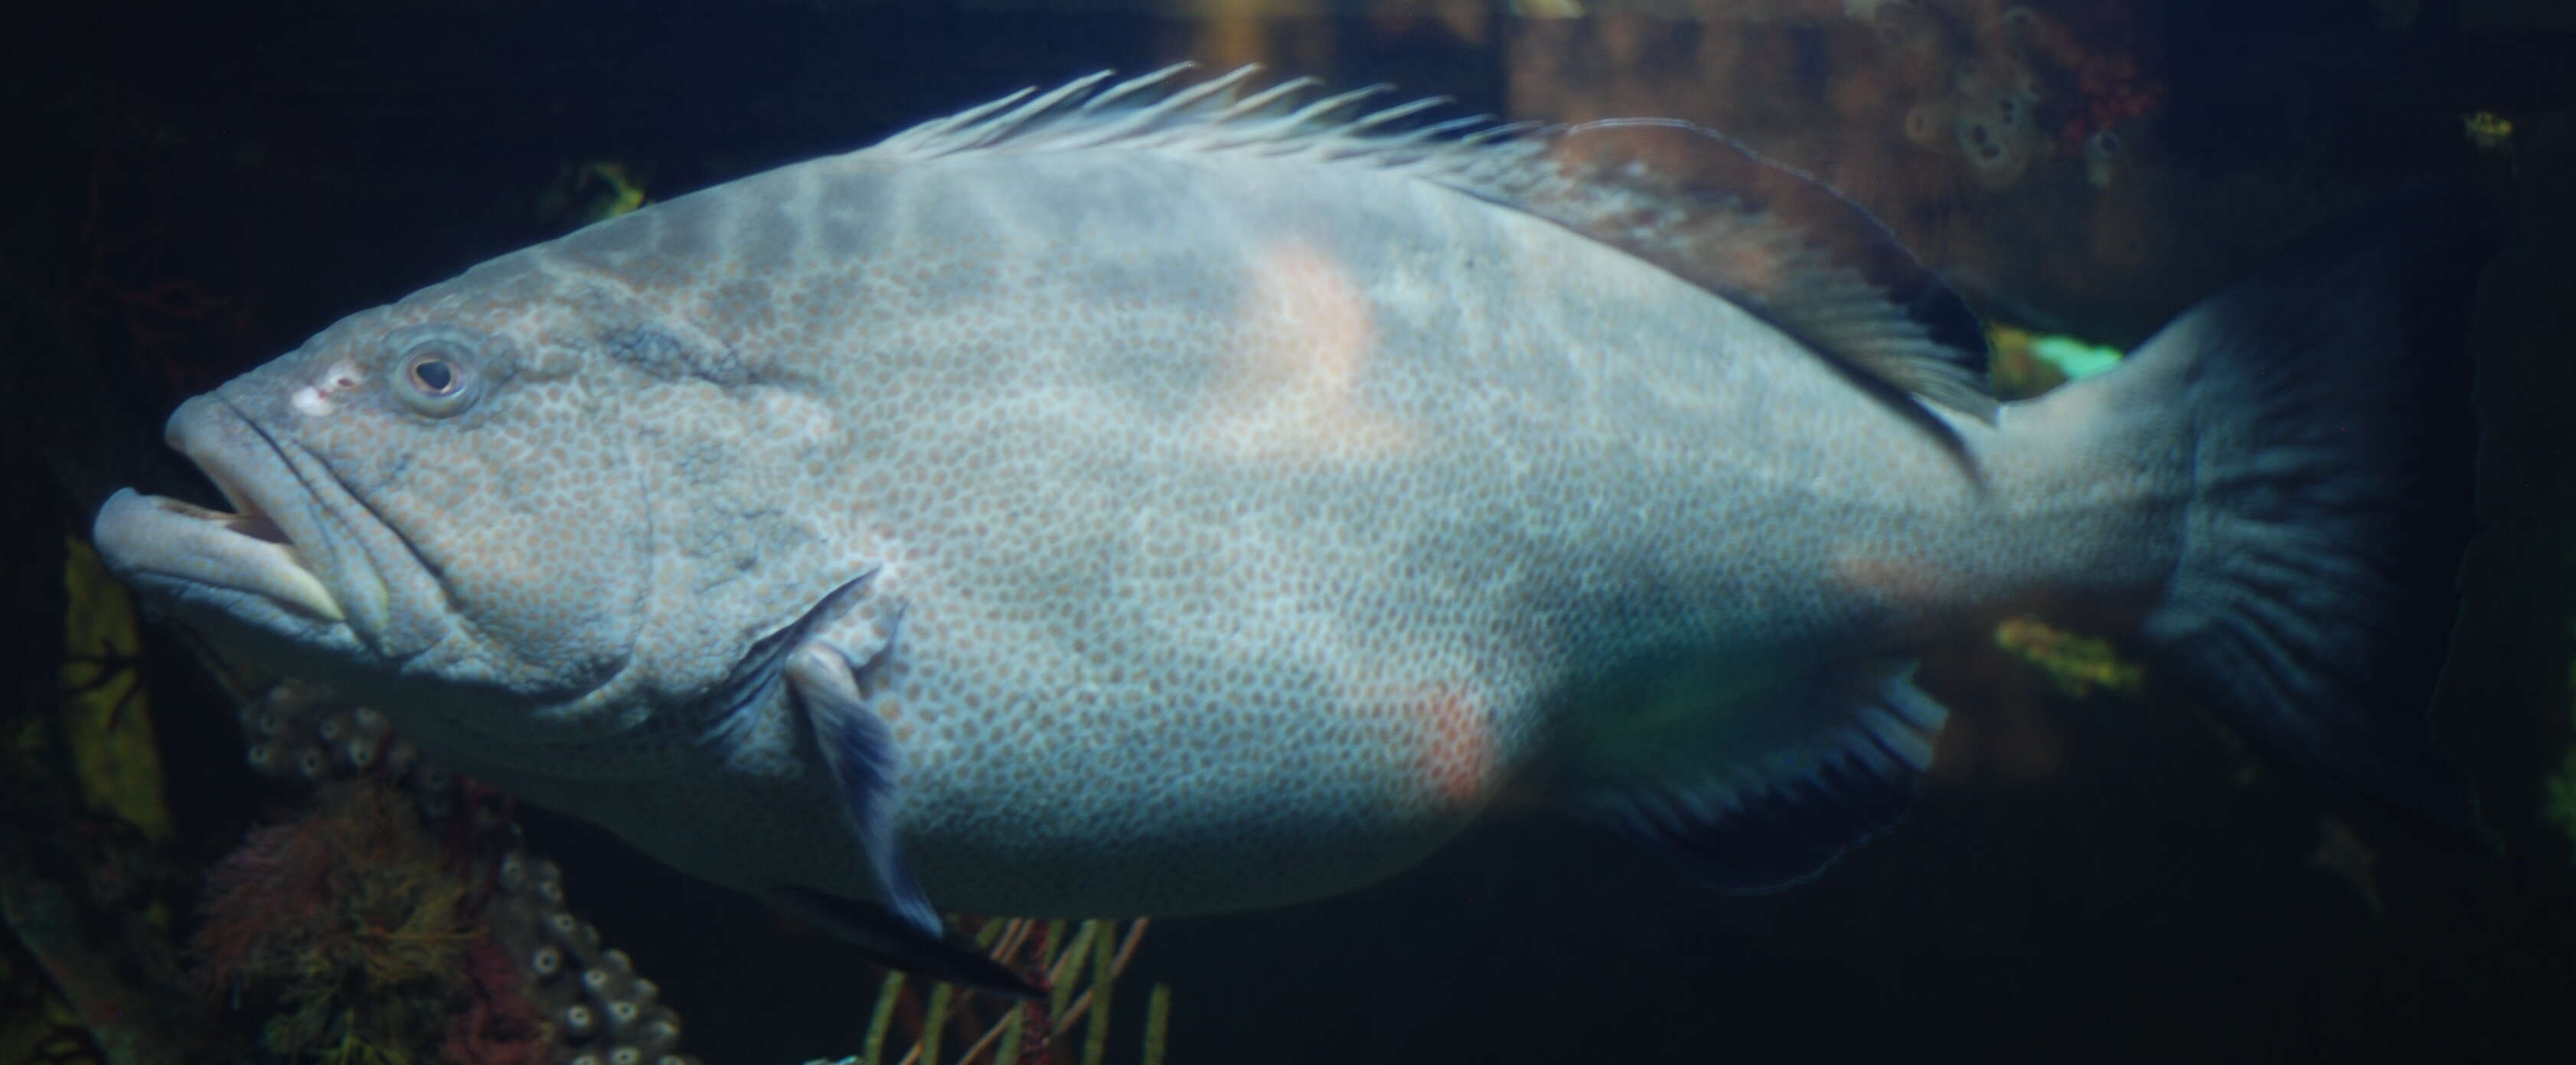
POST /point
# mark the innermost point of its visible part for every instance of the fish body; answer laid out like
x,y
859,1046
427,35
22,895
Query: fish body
x,y
1082,510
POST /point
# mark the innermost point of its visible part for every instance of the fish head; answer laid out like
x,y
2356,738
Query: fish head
x,y
430,501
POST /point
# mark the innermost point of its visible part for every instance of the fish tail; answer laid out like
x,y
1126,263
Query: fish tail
x,y
2327,435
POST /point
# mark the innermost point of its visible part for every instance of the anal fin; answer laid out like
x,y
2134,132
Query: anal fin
x,y
1763,791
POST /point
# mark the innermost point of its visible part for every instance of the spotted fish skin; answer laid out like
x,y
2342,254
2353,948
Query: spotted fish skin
x,y
1227,514
1232,570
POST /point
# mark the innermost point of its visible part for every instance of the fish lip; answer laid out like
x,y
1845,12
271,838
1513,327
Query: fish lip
x,y
267,547
151,540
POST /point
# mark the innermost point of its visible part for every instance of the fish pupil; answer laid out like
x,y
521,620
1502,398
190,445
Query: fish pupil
x,y
434,376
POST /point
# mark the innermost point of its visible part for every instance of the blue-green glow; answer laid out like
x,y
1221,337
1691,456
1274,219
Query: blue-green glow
x,y
2074,358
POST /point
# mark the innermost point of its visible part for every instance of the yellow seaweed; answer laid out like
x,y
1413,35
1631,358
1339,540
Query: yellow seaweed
x,y
2075,664
104,718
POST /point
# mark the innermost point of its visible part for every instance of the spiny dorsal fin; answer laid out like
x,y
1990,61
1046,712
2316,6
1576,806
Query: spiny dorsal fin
x,y
1766,237
1152,112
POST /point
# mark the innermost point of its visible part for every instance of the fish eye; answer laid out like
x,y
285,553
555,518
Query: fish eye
x,y
439,373
434,376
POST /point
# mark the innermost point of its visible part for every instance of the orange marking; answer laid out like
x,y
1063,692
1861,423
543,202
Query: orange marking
x,y
1299,390
1457,758
1908,581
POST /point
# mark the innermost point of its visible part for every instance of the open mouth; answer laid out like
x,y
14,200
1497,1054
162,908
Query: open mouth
x,y
246,552
246,549
248,522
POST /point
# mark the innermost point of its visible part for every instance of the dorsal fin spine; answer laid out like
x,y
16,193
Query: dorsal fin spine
x,y
1128,125
1266,97
1000,127
1132,86
1187,98
1138,123
1433,134
1374,119
1297,119
935,131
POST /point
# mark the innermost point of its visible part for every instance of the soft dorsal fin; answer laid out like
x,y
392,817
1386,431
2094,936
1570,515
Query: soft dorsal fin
x,y
1770,239
1766,237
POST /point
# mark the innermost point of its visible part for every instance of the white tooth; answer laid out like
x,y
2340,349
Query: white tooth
x,y
379,602
284,578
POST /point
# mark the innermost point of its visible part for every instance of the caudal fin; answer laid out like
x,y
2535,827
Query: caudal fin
x,y
2328,402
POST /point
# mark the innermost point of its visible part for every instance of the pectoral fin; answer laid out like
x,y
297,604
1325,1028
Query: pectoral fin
x,y
831,692
750,690
861,754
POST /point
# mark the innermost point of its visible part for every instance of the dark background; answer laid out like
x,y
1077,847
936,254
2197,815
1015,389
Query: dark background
x,y
194,188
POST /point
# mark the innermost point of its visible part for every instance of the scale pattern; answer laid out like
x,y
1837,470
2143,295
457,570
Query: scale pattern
x,y
1251,497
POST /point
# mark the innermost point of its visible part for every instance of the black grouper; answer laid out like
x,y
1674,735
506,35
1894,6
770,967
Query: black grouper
x,y
1153,499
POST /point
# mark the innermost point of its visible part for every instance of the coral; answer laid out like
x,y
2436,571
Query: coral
x,y
499,1025
1080,962
304,731
599,1010
348,924
2021,84
2102,152
1994,126
533,983
2109,86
